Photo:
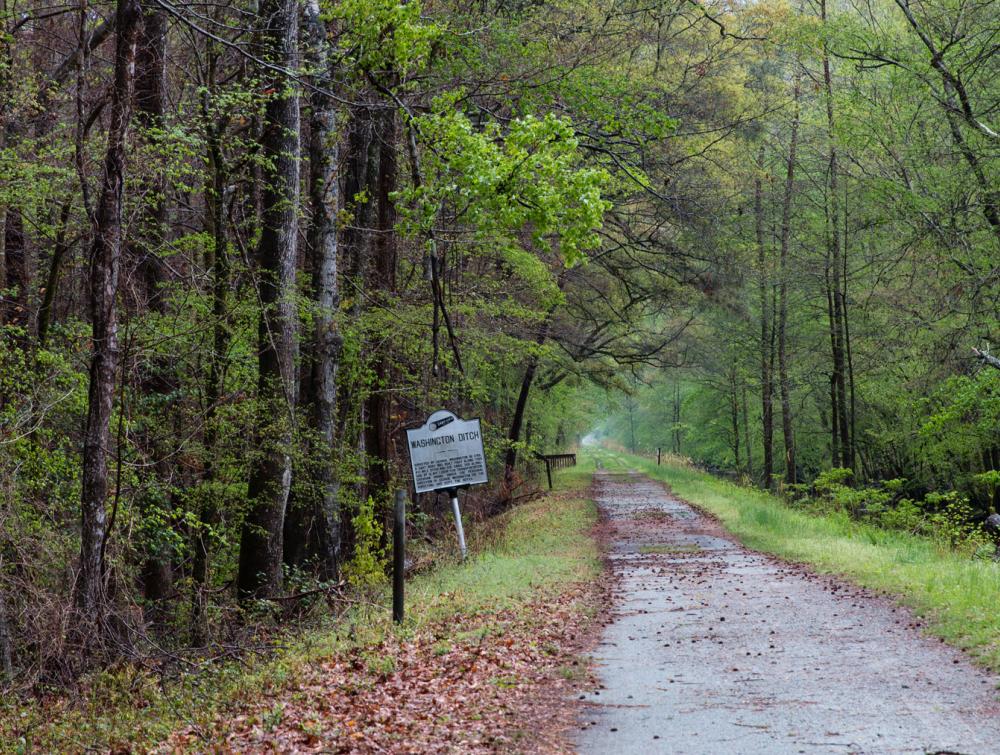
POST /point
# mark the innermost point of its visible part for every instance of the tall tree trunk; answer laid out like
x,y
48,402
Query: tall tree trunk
x,y
383,286
835,456
514,436
766,339
322,358
839,368
734,412
59,252
360,166
677,419
852,451
746,432
216,226
156,381
271,472
787,424
105,260
150,107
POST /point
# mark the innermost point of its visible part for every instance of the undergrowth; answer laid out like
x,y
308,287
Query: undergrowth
x,y
538,548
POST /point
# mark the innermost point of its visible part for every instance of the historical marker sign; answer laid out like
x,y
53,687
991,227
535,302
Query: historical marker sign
x,y
446,453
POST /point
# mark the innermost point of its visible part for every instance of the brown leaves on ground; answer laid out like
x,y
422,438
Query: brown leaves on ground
x,y
494,681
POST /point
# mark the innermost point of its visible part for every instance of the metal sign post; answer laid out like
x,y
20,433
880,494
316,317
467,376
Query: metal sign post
x,y
453,494
446,453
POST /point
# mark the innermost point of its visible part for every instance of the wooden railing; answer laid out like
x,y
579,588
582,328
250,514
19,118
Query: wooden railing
x,y
556,461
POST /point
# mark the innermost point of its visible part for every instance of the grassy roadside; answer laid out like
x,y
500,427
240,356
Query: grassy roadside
x,y
956,595
540,549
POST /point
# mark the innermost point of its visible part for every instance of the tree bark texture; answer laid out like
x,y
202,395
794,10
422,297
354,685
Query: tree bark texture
x,y
271,472
105,261
324,354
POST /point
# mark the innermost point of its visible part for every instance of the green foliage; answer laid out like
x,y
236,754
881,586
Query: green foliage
x,y
542,548
528,176
366,569
384,34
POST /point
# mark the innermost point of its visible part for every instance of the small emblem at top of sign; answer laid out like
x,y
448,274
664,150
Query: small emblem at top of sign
x,y
439,423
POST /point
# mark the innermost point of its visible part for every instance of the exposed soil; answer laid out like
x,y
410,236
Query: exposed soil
x,y
715,648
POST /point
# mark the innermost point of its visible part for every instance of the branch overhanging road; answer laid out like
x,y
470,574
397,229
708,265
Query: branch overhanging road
x,y
714,648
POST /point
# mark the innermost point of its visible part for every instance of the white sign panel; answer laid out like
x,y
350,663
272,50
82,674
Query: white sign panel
x,y
446,453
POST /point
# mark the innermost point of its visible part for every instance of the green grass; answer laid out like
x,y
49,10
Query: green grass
x,y
537,549
959,597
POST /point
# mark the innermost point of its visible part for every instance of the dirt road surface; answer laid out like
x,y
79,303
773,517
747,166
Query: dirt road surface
x,y
714,648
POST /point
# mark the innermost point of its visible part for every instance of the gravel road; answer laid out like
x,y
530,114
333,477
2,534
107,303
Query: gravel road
x,y
714,648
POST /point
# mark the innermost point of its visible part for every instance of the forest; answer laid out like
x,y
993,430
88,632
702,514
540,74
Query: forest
x,y
246,244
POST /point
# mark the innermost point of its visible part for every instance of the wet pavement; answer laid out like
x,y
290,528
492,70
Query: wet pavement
x,y
714,648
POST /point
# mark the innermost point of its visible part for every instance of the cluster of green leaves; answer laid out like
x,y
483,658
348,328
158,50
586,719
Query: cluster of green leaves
x,y
503,181
385,35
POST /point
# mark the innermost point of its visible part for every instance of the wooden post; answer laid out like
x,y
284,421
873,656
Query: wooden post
x,y
657,456
548,472
398,555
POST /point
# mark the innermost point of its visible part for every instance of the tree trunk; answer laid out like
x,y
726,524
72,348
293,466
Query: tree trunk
x,y
16,311
766,340
677,419
383,287
271,472
156,382
734,412
514,436
746,432
59,252
105,260
787,425
839,367
216,226
835,456
324,354
852,451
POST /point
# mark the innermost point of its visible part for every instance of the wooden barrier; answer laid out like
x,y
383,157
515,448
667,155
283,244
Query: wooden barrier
x,y
556,461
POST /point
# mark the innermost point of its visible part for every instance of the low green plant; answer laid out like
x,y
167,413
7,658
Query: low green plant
x,y
367,568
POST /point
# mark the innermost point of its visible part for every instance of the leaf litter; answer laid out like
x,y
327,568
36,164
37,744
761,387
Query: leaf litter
x,y
494,681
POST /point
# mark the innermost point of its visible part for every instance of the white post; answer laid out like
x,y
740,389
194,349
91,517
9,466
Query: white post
x,y
458,522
